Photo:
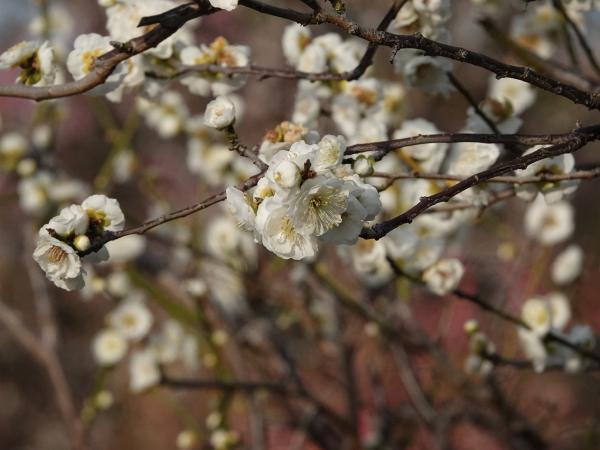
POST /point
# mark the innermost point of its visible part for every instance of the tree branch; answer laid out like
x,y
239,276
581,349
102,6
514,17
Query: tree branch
x,y
166,25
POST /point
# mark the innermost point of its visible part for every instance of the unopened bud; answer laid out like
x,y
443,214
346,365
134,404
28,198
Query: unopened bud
x,y
82,243
363,166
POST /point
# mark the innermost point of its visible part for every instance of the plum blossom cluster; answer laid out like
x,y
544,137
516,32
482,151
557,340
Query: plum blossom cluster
x,y
417,69
361,109
72,232
306,197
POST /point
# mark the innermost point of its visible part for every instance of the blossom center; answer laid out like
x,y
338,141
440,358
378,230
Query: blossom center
x,y
56,254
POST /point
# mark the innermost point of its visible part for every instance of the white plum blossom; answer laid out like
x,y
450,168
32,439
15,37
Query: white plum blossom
x,y
295,39
553,191
59,261
549,224
144,372
35,60
521,95
106,211
537,314
279,234
319,205
220,113
109,347
468,158
444,276
71,220
429,157
131,318
568,265
81,61
219,53
543,314
330,153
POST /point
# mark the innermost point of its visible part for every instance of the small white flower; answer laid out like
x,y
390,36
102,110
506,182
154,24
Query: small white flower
x,y
444,276
363,166
220,113
18,54
36,61
521,95
553,191
428,156
220,53
542,314
81,61
319,205
109,347
549,224
143,371
313,59
468,158
285,174
72,220
228,5
226,242
132,319
330,153
370,263
279,234
186,439
59,261
106,211
537,313
295,39
568,265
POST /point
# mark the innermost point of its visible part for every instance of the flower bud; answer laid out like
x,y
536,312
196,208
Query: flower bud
x,y
82,243
471,327
220,113
26,167
363,166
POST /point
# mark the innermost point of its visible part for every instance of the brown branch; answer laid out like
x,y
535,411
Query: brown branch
x,y
460,206
551,336
550,67
578,140
434,48
578,175
184,212
384,147
255,70
166,25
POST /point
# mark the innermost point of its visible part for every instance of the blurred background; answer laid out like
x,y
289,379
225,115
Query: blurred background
x,y
561,407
